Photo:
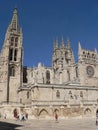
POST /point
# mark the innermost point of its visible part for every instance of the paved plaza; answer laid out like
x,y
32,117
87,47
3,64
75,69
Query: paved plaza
x,y
69,124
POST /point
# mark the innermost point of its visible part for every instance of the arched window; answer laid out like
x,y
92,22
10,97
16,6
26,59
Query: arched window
x,y
11,54
58,94
12,71
13,50
76,72
15,55
66,58
48,77
16,41
12,41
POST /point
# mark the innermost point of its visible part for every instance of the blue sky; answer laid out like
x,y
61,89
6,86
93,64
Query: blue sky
x,y
44,20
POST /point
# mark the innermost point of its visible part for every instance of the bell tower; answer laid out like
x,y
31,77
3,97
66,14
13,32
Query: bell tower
x,y
11,61
88,66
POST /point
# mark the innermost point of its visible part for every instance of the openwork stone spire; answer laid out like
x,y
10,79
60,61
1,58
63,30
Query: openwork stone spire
x,y
14,22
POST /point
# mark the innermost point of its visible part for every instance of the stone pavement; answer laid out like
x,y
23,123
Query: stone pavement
x,y
68,124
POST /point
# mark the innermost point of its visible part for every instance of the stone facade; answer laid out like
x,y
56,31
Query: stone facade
x,y
67,88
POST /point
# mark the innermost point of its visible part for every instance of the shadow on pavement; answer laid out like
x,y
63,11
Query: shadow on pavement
x,y
9,126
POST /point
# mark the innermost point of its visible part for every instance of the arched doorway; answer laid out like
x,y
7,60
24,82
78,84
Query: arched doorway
x,y
87,112
56,111
43,113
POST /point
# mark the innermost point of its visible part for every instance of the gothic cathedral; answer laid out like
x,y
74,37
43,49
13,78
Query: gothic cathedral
x,y
67,88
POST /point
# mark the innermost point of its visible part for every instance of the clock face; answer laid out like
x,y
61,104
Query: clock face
x,y
90,71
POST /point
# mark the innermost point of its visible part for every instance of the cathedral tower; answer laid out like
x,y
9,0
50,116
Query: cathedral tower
x,y
62,59
88,66
11,61
62,56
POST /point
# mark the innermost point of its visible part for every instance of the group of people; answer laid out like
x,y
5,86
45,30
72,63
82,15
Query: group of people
x,y
23,116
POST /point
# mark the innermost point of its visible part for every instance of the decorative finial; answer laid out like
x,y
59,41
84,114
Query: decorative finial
x,y
95,50
15,10
68,43
79,46
56,43
62,43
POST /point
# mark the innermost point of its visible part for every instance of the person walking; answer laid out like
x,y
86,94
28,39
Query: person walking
x,y
97,117
16,114
56,116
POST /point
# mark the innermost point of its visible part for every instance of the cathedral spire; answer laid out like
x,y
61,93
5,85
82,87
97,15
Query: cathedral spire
x,y
56,43
13,26
68,43
62,43
14,21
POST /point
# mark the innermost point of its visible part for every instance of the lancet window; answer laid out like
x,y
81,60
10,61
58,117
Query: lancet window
x,y
48,77
13,49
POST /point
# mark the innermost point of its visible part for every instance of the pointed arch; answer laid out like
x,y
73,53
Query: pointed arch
x,y
56,111
43,113
87,111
